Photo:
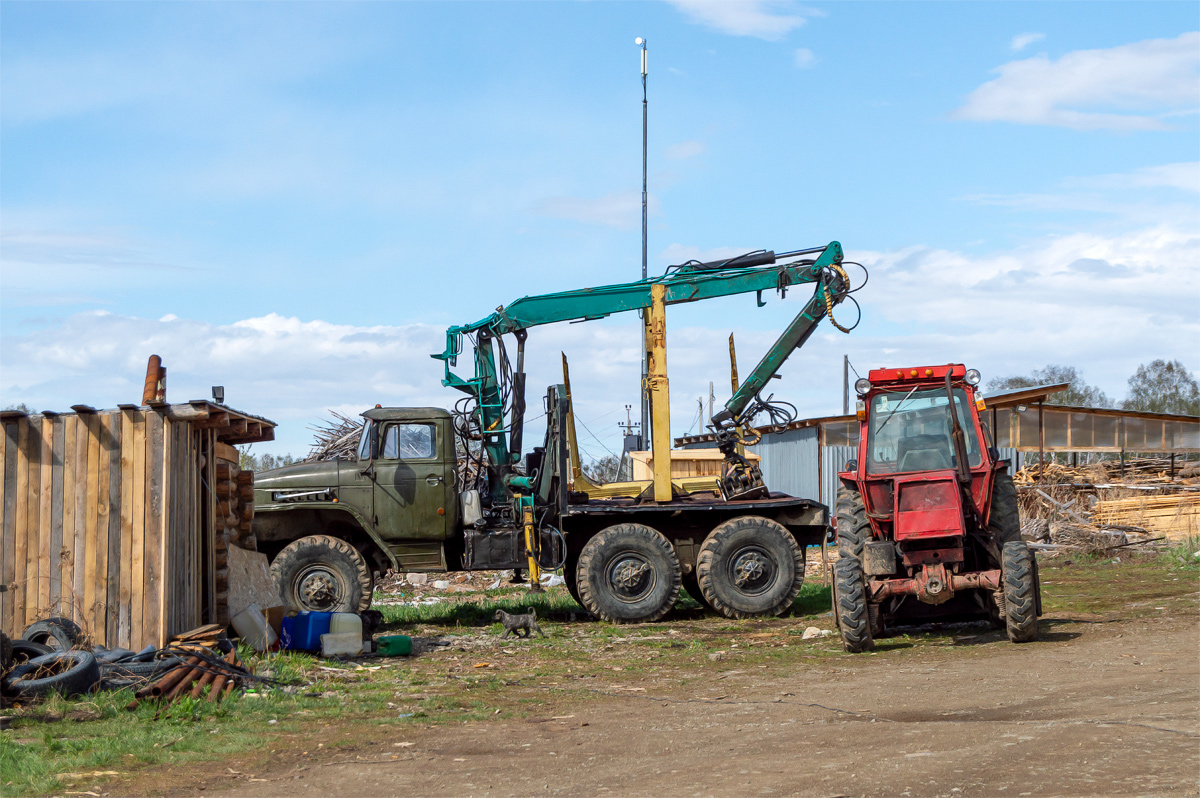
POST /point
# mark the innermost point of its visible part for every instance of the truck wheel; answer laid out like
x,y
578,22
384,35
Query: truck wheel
x,y
1004,518
1020,599
853,528
571,577
750,566
628,572
322,574
850,597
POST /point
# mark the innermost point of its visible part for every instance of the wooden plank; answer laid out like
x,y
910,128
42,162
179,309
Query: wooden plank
x,y
108,532
172,571
138,532
224,451
8,506
156,499
125,546
67,599
21,528
80,517
53,566
190,412
33,520
91,512
45,513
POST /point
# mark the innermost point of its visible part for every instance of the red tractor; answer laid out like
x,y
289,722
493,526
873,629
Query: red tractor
x,y
927,520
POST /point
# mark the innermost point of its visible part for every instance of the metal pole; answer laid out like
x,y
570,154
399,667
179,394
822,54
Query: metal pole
x,y
845,385
645,432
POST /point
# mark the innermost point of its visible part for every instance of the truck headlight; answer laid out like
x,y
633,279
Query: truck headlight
x,y
862,386
972,377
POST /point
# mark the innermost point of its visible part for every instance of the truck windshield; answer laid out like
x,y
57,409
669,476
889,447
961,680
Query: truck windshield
x,y
911,432
364,443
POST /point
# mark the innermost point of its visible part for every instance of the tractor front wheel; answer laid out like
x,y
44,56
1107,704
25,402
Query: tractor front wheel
x,y
628,573
850,605
1020,592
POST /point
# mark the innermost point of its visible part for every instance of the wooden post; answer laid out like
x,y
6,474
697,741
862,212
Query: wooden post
x,y
1041,440
660,409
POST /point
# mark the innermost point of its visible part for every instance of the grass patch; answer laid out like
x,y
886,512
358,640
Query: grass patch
x,y
480,613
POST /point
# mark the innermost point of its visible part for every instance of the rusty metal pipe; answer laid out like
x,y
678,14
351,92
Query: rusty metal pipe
x,y
184,683
168,682
202,682
150,388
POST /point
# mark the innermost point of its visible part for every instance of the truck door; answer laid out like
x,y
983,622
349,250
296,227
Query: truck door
x,y
412,482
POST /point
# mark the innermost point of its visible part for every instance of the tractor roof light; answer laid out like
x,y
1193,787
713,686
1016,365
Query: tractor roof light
x,y
972,377
862,386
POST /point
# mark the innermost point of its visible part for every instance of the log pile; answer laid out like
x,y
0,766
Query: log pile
x,y
233,489
1175,515
1140,471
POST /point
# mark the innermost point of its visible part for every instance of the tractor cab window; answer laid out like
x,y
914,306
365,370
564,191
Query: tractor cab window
x,y
911,432
408,442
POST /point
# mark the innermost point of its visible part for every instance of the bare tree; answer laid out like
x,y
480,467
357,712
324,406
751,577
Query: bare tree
x,y
604,470
1078,393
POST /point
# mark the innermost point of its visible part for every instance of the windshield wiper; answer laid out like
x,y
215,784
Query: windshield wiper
x,y
879,429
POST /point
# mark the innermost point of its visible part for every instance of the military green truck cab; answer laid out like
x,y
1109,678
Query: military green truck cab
x,y
330,528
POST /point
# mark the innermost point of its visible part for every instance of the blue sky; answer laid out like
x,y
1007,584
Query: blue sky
x,y
294,200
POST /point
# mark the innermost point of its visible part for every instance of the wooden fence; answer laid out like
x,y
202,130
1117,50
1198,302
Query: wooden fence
x,y
108,518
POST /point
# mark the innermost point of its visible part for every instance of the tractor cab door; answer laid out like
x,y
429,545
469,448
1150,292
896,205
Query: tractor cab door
x,y
414,481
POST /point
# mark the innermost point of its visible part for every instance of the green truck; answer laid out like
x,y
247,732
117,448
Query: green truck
x,y
626,550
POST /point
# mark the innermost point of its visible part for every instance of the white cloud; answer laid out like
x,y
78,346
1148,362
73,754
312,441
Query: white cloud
x,y
805,58
622,210
1183,176
684,150
1023,40
764,19
1094,89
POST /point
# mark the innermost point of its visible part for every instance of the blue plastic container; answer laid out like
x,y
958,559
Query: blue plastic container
x,y
303,632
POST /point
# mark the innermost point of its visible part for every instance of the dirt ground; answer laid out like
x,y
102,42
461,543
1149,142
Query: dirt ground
x,y
1105,703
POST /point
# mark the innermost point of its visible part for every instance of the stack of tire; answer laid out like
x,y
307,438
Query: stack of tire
x,y
52,657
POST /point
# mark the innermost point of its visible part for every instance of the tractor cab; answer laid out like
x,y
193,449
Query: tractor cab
x,y
927,523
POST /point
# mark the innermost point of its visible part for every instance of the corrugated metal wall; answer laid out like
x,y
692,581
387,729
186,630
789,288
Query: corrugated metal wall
x,y
833,460
789,462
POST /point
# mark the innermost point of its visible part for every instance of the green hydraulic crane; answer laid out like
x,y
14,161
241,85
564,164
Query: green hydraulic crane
x,y
496,386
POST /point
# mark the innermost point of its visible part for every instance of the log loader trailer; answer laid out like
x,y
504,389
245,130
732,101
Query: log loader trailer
x,y
626,549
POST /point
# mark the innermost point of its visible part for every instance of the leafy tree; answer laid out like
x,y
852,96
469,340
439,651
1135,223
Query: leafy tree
x,y
22,408
263,462
1078,393
1163,387
606,469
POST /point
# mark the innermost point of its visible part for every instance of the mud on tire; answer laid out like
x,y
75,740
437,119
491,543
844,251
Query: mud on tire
x,y
322,573
750,566
1020,600
850,605
628,572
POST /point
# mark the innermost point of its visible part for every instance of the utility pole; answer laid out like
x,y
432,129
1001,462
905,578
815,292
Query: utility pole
x,y
645,391
845,385
711,398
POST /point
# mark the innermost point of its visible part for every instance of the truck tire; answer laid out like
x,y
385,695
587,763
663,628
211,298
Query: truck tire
x,y
628,573
853,527
750,566
1004,517
571,577
60,633
322,574
1020,586
68,672
850,605
691,583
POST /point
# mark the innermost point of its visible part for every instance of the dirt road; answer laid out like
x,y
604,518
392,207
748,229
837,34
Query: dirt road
x,y
1095,707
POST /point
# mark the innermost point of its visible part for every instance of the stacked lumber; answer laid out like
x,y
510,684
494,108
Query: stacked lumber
x,y
1175,515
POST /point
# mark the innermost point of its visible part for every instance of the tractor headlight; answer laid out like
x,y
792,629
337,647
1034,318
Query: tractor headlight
x,y
862,386
972,377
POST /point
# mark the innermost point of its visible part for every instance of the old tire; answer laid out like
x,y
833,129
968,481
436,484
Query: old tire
x,y
60,633
691,583
1020,599
571,578
25,650
850,597
1004,517
74,673
6,652
322,574
628,573
750,566
853,527
115,675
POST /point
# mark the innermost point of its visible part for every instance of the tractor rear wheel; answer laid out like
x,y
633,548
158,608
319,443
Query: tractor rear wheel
x,y
1020,592
628,573
1004,518
320,573
853,527
850,605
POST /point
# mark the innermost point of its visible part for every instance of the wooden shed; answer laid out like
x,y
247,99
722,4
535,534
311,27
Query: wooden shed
x,y
120,519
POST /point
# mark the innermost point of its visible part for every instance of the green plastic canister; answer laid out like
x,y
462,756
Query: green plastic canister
x,y
393,645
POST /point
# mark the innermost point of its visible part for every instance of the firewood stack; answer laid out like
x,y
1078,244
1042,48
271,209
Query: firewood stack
x,y
234,490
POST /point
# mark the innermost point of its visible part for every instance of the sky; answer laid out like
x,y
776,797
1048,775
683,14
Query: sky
x,y
294,200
